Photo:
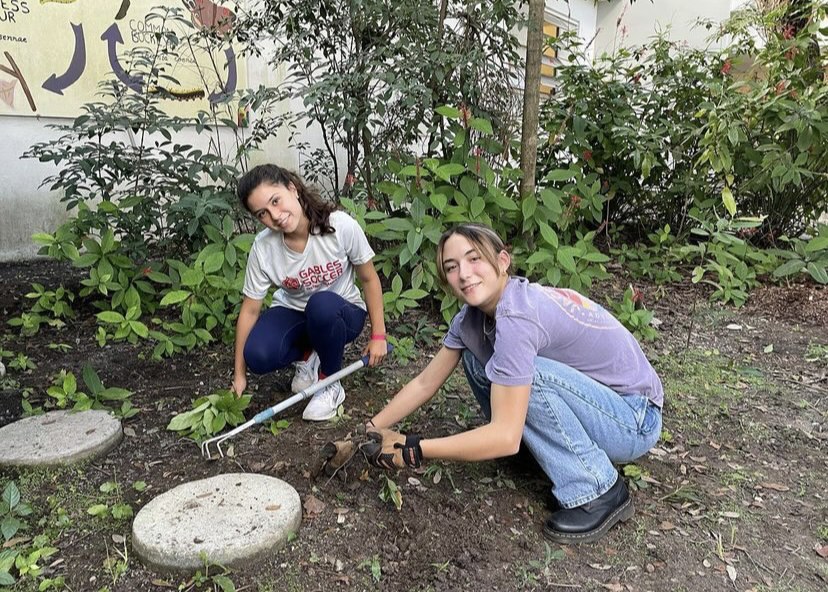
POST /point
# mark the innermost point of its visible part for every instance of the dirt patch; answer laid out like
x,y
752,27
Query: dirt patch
x,y
734,499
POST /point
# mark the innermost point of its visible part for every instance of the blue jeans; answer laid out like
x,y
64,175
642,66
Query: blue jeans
x,y
576,427
282,335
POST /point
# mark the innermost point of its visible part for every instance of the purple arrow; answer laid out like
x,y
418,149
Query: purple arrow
x,y
230,87
57,84
112,36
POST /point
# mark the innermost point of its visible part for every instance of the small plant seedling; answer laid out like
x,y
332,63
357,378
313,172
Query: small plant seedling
x,y
22,363
390,493
374,566
636,476
12,510
279,426
61,347
64,390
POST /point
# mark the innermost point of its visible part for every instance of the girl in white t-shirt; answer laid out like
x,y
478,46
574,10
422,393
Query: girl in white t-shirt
x,y
310,252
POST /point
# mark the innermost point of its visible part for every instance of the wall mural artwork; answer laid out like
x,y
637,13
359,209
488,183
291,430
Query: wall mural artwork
x,y
53,54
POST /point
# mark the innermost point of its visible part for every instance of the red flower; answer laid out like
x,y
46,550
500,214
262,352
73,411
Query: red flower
x,y
146,270
587,155
780,87
350,179
726,67
575,200
372,203
791,53
788,33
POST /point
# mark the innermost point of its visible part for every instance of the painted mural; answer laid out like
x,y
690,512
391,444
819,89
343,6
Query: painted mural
x,y
53,54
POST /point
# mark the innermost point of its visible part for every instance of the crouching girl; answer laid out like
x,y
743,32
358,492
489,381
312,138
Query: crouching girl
x,y
548,367
310,252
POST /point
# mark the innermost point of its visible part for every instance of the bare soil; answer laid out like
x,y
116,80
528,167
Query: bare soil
x,y
734,498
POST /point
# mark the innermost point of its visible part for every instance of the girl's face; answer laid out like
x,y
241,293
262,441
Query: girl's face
x,y
278,208
471,277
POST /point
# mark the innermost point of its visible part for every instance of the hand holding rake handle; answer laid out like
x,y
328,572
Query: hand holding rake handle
x,y
268,413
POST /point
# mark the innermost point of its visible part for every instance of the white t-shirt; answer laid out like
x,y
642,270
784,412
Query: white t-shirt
x,y
327,263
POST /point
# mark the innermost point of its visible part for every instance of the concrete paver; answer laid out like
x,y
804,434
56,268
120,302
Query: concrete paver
x,y
58,438
235,519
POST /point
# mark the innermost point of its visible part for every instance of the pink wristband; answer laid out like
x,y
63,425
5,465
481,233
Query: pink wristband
x,y
378,337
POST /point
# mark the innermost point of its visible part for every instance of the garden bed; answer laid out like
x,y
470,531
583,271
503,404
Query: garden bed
x,y
733,499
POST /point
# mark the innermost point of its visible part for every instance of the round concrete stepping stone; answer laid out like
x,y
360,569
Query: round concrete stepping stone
x,y
58,438
235,519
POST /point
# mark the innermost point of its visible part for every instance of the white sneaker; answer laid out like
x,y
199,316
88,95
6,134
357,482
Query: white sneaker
x,y
307,373
323,405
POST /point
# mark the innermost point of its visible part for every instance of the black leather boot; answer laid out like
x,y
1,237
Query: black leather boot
x,y
591,521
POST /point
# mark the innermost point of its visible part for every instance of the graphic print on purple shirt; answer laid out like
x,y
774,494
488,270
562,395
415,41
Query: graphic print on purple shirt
x,y
581,310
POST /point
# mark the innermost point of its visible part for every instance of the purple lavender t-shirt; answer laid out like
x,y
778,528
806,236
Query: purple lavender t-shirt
x,y
558,324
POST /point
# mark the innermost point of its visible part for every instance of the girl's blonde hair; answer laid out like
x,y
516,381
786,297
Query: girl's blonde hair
x,y
484,240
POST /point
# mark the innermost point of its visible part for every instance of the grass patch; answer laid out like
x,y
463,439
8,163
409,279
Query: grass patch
x,y
701,385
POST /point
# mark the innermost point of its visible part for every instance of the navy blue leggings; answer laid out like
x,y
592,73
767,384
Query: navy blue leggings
x,y
282,335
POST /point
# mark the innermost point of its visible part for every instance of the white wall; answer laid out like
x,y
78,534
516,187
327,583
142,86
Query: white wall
x,y
25,208
643,19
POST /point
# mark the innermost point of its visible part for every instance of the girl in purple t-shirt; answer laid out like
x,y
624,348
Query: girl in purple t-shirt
x,y
548,367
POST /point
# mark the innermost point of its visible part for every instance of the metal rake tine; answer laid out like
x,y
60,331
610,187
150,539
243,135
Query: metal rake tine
x,y
268,413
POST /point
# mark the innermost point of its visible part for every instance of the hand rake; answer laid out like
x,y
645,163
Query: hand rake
x,y
268,413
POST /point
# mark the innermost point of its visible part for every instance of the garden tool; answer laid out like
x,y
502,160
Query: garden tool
x,y
268,413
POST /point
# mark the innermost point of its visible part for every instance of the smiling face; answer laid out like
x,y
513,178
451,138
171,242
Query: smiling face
x,y
471,276
278,207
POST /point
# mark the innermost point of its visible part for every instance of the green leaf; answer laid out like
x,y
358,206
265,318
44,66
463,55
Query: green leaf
x,y
729,202
566,259
469,187
818,243
92,380
818,273
110,316
548,234
122,511
70,384
481,125
139,328
478,204
214,262
789,268
175,297
225,583
98,509
115,394
439,201
561,175
108,487
11,495
139,485
10,526
446,171
449,112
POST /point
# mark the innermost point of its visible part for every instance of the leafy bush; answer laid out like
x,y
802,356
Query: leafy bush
x,y
431,194
805,256
123,169
371,74
667,128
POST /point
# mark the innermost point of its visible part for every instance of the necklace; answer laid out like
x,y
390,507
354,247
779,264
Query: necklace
x,y
489,325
